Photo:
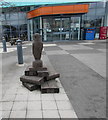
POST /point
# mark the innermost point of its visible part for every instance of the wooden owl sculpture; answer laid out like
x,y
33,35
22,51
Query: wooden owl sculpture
x,y
37,46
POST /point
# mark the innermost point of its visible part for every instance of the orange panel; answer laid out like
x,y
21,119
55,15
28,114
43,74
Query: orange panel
x,y
65,9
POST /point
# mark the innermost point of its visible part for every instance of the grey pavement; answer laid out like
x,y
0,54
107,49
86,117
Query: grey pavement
x,y
83,75
18,102
82,66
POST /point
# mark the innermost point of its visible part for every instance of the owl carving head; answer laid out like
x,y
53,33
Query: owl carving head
x,y
37,37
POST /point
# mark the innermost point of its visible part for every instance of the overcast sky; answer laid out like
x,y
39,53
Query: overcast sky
x,y
39,2
51,1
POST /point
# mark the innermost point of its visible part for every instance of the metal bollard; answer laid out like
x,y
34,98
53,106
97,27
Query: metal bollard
x,y
4,45
19,51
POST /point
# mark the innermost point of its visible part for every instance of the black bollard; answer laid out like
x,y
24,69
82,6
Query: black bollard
x,y
19,51
4,45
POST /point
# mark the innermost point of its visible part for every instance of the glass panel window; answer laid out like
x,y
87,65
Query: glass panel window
x,y
92,12
92,5
100,12
100,4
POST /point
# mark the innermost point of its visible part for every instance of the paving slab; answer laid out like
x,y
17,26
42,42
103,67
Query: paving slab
x,y
6,114
18,114
51,114
34,105
74,47
50,48
61,97
8,98
56,52
20,97
34,96
49,97
64,105
97,62
7,106
83,51
19,106
67,114
34,114
49,105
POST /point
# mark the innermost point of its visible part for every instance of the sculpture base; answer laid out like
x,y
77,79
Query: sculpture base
x,y
40,77
37,64
32,79
38,69
30,73
31,87
49,87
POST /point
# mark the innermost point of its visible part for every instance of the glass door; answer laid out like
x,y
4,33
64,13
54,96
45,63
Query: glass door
x,y
56,29
47,29
61,29
74,28
65,29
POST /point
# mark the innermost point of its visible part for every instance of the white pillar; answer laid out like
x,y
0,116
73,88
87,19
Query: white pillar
x,y
28,30
40,25
44,29
106,14
31,29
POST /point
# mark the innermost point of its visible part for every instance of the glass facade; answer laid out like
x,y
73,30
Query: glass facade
x,y
71,26
52,27
61,28
95,17
14,22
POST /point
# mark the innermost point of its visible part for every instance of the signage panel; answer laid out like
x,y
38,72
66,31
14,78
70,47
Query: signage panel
x,y
103,32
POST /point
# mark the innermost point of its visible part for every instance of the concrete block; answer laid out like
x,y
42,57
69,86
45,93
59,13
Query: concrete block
x,y
30,87
32,79
43,73
30,73
50,87
37,69
52,76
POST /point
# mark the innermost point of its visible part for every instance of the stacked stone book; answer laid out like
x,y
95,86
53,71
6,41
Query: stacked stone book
x,y
36,76
40,79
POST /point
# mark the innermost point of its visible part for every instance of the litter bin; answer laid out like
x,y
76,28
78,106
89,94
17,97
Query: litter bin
x,y
90,33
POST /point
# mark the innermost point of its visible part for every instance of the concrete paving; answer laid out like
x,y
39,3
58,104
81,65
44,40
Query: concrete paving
x,y
18,102
82,66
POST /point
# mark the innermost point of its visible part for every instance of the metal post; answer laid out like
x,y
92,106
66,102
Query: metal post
x,y
4,45
19,51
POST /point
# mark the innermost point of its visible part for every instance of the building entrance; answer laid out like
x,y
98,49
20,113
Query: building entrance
x,y
57,29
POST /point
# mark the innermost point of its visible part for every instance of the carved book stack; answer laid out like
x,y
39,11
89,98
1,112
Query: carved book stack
x,y
37,76
40,79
